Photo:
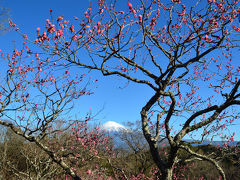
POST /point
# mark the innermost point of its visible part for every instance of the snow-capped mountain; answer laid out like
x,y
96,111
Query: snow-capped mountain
x,y
115,130
111,126
120,134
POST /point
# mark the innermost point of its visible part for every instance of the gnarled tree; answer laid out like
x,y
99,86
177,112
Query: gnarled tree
x,y
184,52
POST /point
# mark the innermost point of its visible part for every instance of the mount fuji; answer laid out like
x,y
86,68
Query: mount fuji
x,y
112,126
115,130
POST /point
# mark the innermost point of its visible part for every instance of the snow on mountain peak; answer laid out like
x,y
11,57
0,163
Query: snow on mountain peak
x,y
112,126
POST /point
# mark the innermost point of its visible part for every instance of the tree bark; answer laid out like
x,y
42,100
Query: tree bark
x,y
168,174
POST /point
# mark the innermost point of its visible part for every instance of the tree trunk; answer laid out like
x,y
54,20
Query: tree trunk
x,y
168,174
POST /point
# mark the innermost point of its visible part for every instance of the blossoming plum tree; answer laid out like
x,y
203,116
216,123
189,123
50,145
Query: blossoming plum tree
x,y
183,51
33,101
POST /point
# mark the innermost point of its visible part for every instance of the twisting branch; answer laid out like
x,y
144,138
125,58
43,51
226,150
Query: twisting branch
x,y
203,157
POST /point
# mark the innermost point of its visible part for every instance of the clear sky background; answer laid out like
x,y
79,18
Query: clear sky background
x,y
117,104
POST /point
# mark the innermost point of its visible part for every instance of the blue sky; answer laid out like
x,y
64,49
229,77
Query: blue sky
x,y
117,104
127,102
